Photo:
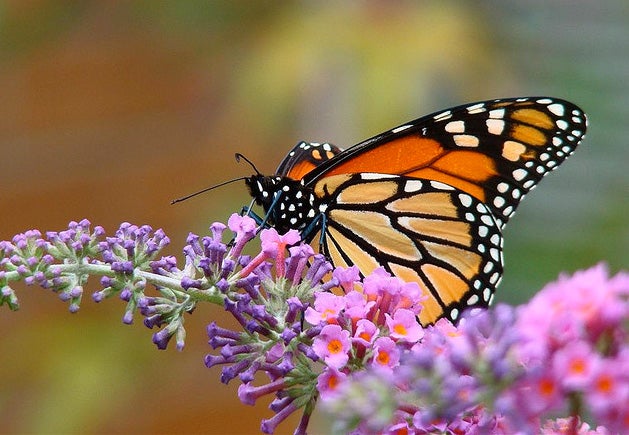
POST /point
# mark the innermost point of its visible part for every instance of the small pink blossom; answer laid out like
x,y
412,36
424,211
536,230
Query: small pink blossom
x,y
332,345
244,227
380,282
608,386
273,244
347,277
575,364
540,394
329,381
366,332
386,353
403,326
357,306
327,307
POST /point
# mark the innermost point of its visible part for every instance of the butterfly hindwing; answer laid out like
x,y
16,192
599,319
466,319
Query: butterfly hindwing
x,y
304,157
419,230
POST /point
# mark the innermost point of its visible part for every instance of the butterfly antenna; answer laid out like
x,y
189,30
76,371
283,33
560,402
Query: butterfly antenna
x,y
183,198
240,156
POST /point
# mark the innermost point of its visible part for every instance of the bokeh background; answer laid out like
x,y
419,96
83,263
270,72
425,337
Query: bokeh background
x,y
110,109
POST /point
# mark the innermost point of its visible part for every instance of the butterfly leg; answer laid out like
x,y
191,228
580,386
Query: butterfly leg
x,y
262,222
317,224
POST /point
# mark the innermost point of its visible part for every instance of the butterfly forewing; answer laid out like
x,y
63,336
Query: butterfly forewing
x,y
496,150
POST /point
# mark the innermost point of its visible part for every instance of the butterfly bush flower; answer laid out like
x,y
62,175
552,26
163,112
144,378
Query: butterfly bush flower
x,y
504,370
307,333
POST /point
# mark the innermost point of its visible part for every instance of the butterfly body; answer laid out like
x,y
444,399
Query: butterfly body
x,y
287,203
426,200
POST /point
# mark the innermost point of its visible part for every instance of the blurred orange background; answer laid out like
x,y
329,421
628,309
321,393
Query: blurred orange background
x,y
110,109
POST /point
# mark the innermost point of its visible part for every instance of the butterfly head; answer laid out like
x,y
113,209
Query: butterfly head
x,y
262,189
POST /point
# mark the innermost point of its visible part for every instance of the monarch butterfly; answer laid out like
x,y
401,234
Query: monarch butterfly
x,y
426,200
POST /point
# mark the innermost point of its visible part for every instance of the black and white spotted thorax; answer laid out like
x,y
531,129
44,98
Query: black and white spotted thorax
x,y
287,203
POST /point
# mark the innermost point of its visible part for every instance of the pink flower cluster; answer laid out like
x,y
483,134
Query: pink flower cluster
x,y
574,341
367,326
502,370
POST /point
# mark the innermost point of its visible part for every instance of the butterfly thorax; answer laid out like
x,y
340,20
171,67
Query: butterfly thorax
x,y
287,203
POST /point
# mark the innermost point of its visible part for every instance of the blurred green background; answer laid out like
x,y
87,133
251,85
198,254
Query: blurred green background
x,y
111,109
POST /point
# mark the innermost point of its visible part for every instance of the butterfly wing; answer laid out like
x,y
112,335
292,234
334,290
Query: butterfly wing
x,y
304,157
495,150
426,200
421,231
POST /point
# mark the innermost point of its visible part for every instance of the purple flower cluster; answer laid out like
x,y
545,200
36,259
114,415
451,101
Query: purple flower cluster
x,y
306,332
31,258
268,297
504,370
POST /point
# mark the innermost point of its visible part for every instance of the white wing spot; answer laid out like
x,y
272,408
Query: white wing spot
x,y
495,126
413,186
557,109
375,176
466,140
494,278
519,174
486,294
476,108
401,128
441,186
455,127
443,115
487,220
495,240
497,113
466,200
